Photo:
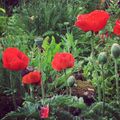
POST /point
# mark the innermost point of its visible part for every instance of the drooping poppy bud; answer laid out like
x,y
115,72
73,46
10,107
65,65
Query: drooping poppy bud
x,y
115,50
102,58
70,81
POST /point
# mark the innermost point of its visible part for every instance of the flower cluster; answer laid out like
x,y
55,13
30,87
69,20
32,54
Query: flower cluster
x,y
15,60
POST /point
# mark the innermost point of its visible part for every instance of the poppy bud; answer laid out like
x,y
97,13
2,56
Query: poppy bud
x,y
102,58
44,112
38,41
70,81
115,50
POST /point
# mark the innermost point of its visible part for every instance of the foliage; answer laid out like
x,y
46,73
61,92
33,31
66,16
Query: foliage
x,y
96,108
49,17
30,109
52,22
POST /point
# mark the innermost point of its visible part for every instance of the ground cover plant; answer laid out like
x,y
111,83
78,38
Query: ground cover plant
x,y
60,60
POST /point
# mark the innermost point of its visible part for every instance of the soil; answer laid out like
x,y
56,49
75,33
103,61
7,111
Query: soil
x,y
6,104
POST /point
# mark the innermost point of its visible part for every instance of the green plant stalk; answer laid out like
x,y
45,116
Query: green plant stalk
x,y
117,81
99,91
92,49
69,88
42,83
70,91
103,88
42,89
92,61
13,95
21,87
31,91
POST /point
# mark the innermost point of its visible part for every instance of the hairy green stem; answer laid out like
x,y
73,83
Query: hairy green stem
x,y
22,91
70,91
31,91
92,48
93,62
68,88
42,83
103,88
42,89
99,91
13,95
117,81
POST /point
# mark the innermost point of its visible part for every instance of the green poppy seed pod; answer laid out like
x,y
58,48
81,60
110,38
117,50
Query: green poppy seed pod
x,y
102,58
70,81
115,50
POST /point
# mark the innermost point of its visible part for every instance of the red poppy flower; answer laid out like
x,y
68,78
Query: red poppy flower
x,y
14,59
44,112
32,78
62,61
116,28
94,21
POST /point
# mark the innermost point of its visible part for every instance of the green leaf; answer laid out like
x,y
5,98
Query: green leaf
x,y
2,10
45,44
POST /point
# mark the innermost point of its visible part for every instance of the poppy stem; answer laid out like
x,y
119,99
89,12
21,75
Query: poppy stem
x,y
31,91
99,90
42,89
42,82
21,87
70,90
117,81
13,95
92,49
103,88
93,63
